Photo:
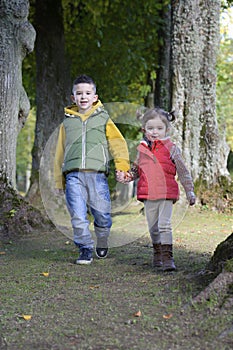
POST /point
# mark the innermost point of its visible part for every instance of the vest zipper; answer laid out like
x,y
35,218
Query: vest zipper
x,y
84,128
105,158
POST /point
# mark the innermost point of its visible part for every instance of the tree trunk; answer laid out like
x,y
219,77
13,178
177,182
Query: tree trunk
x,y
162,95
52,81
16,40
195,40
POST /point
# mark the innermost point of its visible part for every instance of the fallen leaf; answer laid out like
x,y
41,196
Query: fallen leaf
x,y
2,253
45,274
94,287
138,314
27,317
167,316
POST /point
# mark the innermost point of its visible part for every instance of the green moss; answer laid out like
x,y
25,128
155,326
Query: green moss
x,y
229,265
218,196
202,133
17,216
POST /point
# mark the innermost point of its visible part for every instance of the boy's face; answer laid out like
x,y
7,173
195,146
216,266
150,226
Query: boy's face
x,y
84,96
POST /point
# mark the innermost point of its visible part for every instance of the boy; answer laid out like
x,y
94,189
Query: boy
x,y
86,136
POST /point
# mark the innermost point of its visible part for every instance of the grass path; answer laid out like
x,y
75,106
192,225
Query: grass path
x,y
116,303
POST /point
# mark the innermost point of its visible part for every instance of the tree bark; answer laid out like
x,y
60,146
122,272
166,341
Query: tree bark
x,y
16,40
52,81
195,40
162,95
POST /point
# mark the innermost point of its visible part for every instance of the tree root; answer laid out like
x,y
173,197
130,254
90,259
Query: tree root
x,y
17,216
218,289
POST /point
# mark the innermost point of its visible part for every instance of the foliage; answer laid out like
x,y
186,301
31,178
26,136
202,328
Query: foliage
x,y
24,146
118,45
29,77
225,85
29,65
226,3
115,43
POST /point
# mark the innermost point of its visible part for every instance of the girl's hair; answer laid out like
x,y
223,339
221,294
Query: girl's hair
x,y
156,112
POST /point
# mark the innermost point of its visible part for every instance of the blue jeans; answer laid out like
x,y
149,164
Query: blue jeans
x,y
89,190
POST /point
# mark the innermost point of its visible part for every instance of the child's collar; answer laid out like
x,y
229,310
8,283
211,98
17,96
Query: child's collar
x,y
150,143
73,110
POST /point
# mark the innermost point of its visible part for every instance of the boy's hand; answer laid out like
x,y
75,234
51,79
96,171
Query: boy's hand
x,y
120,176
123,177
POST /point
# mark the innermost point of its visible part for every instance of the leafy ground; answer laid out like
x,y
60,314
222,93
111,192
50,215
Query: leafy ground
x,y
48,302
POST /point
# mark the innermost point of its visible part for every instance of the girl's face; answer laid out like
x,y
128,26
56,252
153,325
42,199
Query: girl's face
x,y
155,129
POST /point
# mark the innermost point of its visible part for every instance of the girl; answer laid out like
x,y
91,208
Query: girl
x,y
157,163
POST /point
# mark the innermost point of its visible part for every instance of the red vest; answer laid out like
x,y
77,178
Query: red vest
x,y
157,172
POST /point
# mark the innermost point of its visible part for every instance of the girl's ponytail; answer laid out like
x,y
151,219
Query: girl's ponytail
x,y
171,116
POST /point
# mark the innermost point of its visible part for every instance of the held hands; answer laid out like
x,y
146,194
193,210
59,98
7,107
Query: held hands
x,y
191,198
123,177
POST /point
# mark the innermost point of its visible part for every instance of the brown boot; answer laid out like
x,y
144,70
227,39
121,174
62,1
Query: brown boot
x,y
157,255
167,258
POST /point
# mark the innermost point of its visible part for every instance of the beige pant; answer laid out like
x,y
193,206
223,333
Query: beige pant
x,y
158,215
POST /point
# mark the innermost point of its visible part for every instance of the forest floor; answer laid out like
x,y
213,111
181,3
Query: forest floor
x,y
119,303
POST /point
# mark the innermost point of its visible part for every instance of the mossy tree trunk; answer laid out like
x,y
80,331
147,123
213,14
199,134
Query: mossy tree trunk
x,y
195,41
17,38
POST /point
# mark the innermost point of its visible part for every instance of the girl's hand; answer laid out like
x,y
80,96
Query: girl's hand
x,y
191,198
192,201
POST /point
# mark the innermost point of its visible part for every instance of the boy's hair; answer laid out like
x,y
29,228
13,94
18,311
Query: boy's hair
x,y
157,112
83,78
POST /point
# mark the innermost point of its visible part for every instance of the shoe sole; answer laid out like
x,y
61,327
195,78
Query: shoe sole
x,y
169,269
84,262
101,257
